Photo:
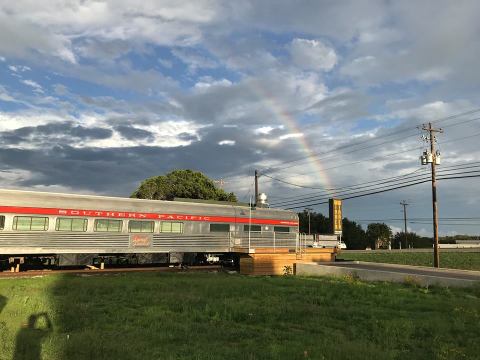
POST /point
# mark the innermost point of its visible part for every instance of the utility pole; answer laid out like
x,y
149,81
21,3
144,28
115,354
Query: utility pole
x,y
309,211
256,187
404,204
433,158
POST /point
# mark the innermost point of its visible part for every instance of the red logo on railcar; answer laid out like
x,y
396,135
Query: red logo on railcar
x,y
141,240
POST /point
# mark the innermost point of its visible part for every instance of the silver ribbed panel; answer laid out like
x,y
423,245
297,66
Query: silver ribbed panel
x,y
63,240
191,243
57,242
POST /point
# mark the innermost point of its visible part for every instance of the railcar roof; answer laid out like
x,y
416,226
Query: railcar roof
x,y
129,200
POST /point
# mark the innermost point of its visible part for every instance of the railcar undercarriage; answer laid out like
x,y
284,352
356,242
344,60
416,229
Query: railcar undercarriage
x,y
51,261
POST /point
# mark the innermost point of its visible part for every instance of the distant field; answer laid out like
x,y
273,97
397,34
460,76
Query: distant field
x,y
455,260
222,316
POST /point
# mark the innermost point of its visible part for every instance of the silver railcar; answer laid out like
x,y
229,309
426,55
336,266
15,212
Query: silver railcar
x,y
74,229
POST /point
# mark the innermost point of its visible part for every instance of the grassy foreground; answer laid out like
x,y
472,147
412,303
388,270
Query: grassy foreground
x,y
454,260
222,316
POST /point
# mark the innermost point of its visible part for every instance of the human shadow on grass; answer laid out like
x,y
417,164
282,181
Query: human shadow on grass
x,y
3,302
30,337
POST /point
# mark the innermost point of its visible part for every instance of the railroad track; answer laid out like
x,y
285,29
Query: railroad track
x,y
414,250
86,271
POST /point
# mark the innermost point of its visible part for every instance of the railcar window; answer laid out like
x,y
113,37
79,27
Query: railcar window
x,y
219,227
108,225
252,228
171,227
71,224
2,222
281,229
30,223
141,226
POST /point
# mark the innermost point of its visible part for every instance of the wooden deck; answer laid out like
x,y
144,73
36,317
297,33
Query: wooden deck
x,y
263,261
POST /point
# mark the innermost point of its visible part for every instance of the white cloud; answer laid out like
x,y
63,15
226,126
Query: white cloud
x,y
12,121
19,68
359,66
166,133
166,63
207,82
265,130
430,111
36,86
312,54
227,142
193,60
291,136
51,27
379,36
4,96
434,74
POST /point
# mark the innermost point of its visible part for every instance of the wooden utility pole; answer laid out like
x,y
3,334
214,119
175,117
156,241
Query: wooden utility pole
x,y
256,187
309,211
404,204
432,159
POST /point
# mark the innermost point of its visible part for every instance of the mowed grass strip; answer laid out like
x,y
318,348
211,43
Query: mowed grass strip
x,y
453,260
222,316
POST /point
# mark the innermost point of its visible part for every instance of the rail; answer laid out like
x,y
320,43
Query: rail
x,y
301,245
273,240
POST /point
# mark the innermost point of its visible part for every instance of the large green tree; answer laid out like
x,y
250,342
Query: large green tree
x,y
319,224
412,240
379,235
182,184
353,235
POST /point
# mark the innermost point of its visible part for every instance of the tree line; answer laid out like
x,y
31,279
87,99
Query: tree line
x,y
377,235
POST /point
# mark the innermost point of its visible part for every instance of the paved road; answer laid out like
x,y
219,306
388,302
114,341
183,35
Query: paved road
x,y
412,270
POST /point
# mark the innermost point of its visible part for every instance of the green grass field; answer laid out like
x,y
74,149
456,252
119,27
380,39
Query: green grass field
x,y
223,316
455,260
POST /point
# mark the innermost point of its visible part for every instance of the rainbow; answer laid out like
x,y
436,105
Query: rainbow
x,y
291,124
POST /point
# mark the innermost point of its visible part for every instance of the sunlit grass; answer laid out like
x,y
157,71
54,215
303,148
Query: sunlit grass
x,y
454,260
221,316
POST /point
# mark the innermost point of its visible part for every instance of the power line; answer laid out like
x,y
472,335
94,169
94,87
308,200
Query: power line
x,y
383,180
399,181
333,153
360,161
421,218
447,118
342,165
451,117
444,224
382,191
349,191
347,186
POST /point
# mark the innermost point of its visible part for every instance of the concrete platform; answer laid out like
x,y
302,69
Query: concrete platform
x,y
424,276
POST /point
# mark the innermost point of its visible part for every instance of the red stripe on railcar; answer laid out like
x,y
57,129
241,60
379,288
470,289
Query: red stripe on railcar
x,y
137,215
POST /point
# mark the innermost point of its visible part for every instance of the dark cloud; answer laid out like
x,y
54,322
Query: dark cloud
x,y
187,137
67,131
117,171
133,133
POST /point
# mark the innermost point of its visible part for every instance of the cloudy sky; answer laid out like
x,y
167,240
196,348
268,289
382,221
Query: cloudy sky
x,y
97,95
